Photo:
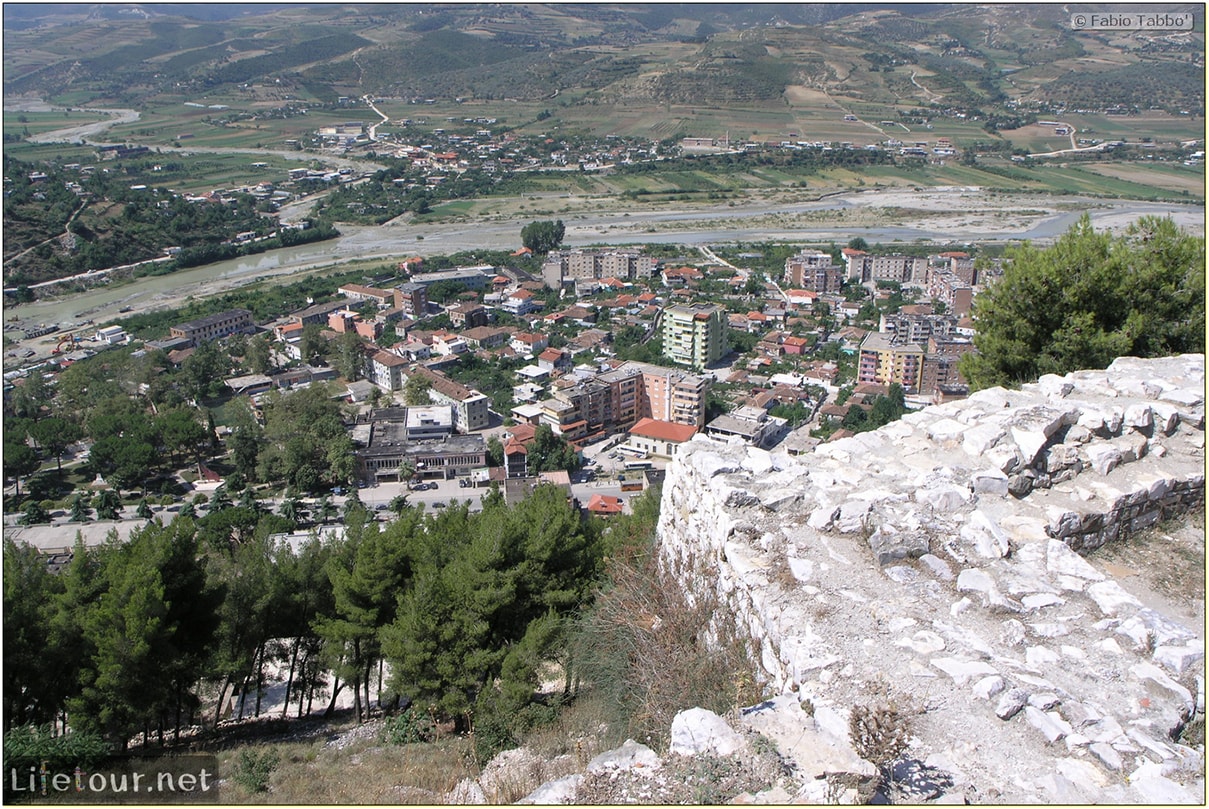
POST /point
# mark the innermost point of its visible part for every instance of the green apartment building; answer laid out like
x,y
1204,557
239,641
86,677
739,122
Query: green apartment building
x,y
694,334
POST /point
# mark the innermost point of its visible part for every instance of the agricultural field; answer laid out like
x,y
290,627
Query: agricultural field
x,y
35,123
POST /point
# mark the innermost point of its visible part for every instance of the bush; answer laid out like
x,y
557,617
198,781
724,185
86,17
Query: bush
x,y
410,727
28,746
253,770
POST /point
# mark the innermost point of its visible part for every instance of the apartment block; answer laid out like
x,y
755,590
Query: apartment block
x,y
813,270
213,327
412,298
885,361
564,267
471,409
694,334
866,268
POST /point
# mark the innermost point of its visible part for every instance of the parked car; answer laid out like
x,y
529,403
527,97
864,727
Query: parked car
x,y
438,504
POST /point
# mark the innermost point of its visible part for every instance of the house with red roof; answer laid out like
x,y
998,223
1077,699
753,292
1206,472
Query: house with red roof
x,y
659,437
602,505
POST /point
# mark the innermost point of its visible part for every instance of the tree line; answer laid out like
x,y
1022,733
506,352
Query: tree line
x,y
451,613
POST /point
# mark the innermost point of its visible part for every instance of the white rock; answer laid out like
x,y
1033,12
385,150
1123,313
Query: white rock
x,y
1103,457
1179,658
467,792
989,687
1036,601
758,461
1138,416
1010,703
698,731
1149,671
944,498
1110,597
963,670
1110,758
1044,722
1061,560
1159,790
1043,700
1037,656
923,642
938,566
990,481
985,536
945,430
559,792
1083,773
630,756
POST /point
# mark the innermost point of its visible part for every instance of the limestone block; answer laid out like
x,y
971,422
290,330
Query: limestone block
x,y
701,732
962,671
1044,722
990,481
982,532
980,438
852,516
559,792
758,461
468,793
1038,656
1032,428
822,517
923,642
1166,417
1149,671
1049,629
1012,632
1103,457
989,687
1054,385
1004,457
1179,659
630,756
1037,601
1010,703
1110,597
709,464
945,498
1091,421
937,566
945,431
1132,446
1082,774
1061,560
1138,416
1044,700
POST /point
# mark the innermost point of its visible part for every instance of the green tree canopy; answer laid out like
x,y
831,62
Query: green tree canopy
x,y
1088,299
542,237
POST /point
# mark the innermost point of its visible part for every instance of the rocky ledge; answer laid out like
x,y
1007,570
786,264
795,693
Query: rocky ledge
x,y
941,563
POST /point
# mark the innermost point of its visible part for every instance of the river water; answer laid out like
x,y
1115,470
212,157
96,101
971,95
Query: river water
x,y
398,239
733,222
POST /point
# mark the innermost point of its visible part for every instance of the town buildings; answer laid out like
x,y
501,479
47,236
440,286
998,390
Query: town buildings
x,y
694,334
213,327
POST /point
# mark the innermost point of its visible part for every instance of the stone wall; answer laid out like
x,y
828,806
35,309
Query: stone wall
x,y
937,560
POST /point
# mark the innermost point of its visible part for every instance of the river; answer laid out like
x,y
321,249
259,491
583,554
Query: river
x,y
939,215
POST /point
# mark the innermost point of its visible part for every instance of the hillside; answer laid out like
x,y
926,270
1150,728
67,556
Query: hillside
x,y
981,60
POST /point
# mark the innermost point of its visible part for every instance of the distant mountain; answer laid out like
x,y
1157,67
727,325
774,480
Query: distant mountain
x,y
969,59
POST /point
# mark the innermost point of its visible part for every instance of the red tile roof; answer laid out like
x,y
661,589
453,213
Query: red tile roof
x,y
663,430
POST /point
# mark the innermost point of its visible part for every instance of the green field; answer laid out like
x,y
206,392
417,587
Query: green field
x,y
35,123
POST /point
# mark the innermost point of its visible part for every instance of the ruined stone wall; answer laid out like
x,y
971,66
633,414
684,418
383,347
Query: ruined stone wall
x,y
936,560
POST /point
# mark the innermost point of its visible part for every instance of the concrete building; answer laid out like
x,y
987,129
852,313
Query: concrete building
x,y
752,424
387,370
694,334
813,270
563,267
384,451
865,268
659,437
213,327
412,298
885,361
471,409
